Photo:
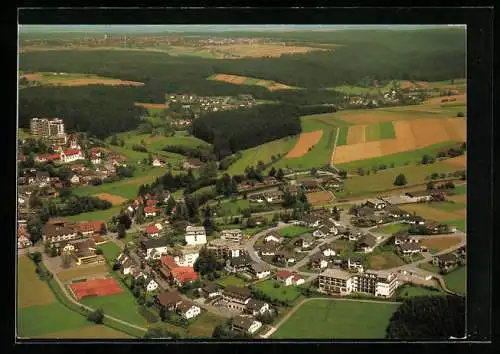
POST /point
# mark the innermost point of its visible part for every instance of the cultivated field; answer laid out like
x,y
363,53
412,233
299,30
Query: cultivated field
x,y
410,135
448,100
153,106
100,215
390,229
356,134
306,141
245,80
439,243
259,50
89,332
384,260
459,161
71,79
319,198
31,290
114,199
83,271
333,319
431,213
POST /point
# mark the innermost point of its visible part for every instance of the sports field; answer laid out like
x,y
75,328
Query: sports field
x,y
264,152
281,293
337,319
293,231
95,287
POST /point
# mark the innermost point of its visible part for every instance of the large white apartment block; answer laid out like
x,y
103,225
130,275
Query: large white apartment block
x,y
232,235
187,257
195,235
52,129
336,281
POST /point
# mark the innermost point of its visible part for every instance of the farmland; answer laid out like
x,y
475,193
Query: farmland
x,y
380,131
319,198
305,143
390,229
113,199
281,293
383,260
293,231
244,80
100,215
439,243
332,319
428,212
88,332
31,290
74,79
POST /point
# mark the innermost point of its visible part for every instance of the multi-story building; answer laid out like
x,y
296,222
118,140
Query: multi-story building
x,y
224,248
53,129
59,232
336,281
236,298
196,235
232,235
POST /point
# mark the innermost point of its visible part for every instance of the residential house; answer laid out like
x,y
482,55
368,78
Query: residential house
x,y
91,228
235,235
286,256
186,256
238,264
259,270
188,310
153,248
446,261
78,167
376,204
269,248
312,220
366,243
195,235
306,241
95,159
158,162
327,250
310,185
415,220
42,178
83,251
403,237
53,234
330,182
23,239
152,231
150,211
169,299
409,248
396,212
355,263
225,248
289,278
273,236
257,307
325,230
47,157
365,211
245,324
151,284
354,234
236,297
419,196
211,290
70,155
318,261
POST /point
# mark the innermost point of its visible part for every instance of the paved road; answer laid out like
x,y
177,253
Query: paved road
x,y
292,311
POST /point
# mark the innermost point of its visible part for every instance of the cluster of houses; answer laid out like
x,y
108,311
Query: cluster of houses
x,y
450,260
23,236
197,104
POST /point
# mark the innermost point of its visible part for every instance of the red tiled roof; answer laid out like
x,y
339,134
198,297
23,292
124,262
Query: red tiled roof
x,y
152,229
283,274
150,209
168,261
94,226
49,157
151,202
71,152
183,274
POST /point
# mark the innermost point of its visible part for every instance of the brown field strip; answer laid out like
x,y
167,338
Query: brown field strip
x,y
462,198
306,141
439,243
451,99
31,290
83,271
114,199
356,134
460,161
32,77
152,105
89,332
410,135
406,84
373,116
430,213
264,50
89,81
319,198
233,79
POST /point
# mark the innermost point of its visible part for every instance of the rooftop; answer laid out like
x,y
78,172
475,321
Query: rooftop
x,y
336,273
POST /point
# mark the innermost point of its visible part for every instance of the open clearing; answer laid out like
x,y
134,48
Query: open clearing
x,y
319,198
231,280
89,332
456,280
158,106
390,229
306,141
110,251
114,199
281,293
293,231
439,243
410,135
83,271
73,79
384,260
408,290
334,319
356,134
99,215
258,50
461,198
430,213
245,80
31,290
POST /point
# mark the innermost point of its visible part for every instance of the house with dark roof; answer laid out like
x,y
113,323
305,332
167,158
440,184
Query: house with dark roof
x,y
169,299
327,250
55,233
445,261
289,278
153,248
268,249
259,270
318,261
409,248
366,243
238,264
210,290
355,263
256,307
286,256
188,309
305,241
236,298
273,236
245,324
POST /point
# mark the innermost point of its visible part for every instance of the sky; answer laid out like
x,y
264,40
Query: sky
x,y
209,28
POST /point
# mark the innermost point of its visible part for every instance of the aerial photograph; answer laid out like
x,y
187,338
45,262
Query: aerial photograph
x,y
241,182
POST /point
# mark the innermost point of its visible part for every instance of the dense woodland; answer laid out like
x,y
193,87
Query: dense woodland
x,y
428,318
232,131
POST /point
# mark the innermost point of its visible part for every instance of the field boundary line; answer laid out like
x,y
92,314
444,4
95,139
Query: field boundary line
x,y
334,146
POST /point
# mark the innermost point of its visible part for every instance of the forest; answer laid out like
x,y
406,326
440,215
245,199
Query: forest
x,y
232,131
98,110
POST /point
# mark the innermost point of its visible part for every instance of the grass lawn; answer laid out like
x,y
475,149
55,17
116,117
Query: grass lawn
x,y
264,152
321,152
456,280
31,290
342,139
293,231
448,206
399,159
41,319
333,319
231,280
282,293
390,229
460,190
122,306
460,224
408,290
383,180
156,143
110,250
100,215
232,207
383,260
380,131
205,325
430,267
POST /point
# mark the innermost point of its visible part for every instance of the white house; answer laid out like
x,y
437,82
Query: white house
x,y
188,310
70,155
187,258
154,248
151,285
257,307
355,263
150,211
196,235
245,324
289,278
74,179
274,237
321,232
376,204
327,251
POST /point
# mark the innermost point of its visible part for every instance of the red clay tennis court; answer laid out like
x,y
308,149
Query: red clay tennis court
x,y
95,287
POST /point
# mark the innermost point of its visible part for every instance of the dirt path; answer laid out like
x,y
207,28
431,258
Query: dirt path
x,y
334,146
